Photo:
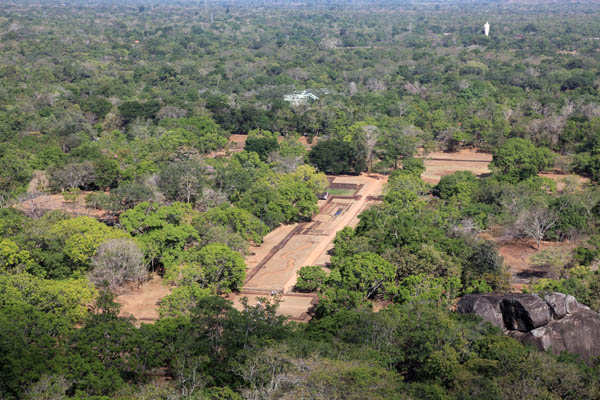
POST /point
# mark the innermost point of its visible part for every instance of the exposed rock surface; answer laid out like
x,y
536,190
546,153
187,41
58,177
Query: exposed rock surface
x,y
557,322
486,306
577,333
524,312
562,304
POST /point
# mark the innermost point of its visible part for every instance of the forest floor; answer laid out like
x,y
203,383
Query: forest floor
x,y
517,256
516,252
439,164
561,179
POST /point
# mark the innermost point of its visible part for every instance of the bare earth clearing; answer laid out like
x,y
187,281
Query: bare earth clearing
x,y
142,302
517,257
439,164
273,266
561,178
516,252
42,204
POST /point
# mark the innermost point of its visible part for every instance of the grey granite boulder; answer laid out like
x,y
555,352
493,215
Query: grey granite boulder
x,y
487,306
577,333
561,304
524,312
556,323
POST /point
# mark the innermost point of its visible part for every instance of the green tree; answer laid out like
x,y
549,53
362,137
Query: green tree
x,y
214,266
404,181
237,219
337,157
310,278
518,159
12,221
15,173
182,181
233,175
106,173
461,183
200,132
96,105
13,259
66,300
108,351
286,199
30,340
263,146
365,273
80,238
571,218
414,166
398,143
128,195
182,300
131,110
162,232
484,263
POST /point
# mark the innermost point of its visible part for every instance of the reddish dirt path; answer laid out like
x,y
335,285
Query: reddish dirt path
x,y
295,306
439,164
307,246
372,189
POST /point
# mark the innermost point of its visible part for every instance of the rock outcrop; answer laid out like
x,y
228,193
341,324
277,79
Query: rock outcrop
x,y
524,312
563,304
556,322
486,306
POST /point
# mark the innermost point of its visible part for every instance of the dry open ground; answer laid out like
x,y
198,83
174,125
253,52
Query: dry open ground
x,y
274,264
517,257
142,302
561,179
303,244
44,203
439,164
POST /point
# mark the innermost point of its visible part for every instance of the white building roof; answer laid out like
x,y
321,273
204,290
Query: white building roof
x,y
298,98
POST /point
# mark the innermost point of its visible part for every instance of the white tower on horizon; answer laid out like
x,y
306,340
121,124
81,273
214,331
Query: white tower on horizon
x,y
486,29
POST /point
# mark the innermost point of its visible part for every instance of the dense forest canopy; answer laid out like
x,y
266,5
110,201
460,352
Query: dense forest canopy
x,y
127,115
132,68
